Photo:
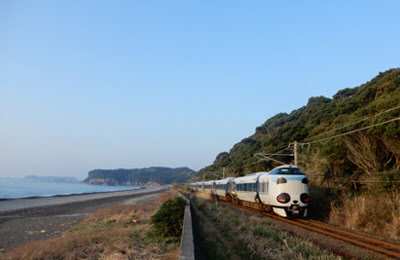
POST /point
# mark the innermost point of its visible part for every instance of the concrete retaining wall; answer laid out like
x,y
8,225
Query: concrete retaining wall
x,y
187,250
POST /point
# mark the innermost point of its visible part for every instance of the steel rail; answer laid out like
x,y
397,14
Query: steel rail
x,y
351,234
344,238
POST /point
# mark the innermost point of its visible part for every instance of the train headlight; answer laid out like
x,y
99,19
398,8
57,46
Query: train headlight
x,y
283,198
281,180
304,198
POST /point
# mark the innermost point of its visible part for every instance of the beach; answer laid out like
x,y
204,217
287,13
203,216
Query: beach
x,y
24,220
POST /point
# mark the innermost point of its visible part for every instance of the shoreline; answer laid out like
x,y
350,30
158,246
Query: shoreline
x,y
72,194
15,188
25,220
12,204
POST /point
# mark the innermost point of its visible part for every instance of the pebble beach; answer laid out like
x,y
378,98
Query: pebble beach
x,y
24,220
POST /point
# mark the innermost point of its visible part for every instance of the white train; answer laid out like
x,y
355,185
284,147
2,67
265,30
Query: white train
x,y
283,190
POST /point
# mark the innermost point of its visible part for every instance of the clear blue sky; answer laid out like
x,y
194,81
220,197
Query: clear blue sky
x,y
131,84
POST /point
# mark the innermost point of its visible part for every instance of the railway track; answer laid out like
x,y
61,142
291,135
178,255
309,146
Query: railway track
x,y
373,244
376,245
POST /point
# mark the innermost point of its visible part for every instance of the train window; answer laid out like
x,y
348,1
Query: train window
x,y
289,170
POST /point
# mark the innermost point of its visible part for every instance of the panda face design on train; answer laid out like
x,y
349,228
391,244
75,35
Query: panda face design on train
x,y
286,190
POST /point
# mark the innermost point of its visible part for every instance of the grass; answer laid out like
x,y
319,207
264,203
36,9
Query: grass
x,y
228,234
107,234
375,212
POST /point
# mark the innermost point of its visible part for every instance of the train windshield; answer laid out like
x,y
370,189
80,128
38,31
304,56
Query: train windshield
x,y
289,170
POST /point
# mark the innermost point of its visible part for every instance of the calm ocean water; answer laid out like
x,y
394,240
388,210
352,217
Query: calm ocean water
x,y
11,188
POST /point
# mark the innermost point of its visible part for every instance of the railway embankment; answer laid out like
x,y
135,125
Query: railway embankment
x,y
228,232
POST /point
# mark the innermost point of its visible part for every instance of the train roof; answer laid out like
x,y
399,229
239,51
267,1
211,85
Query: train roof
x,y
254,174
286,166
252,177
287,169
224,181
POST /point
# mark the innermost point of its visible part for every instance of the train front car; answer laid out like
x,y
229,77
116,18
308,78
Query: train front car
x,y
285,188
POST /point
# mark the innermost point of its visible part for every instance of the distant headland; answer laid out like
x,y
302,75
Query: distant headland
x,y
139,177
51,178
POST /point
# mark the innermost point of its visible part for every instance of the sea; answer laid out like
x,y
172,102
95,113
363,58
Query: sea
x,y
14,188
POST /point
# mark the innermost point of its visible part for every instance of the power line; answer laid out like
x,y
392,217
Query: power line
x,y
264,156
333,130
268,155
359,175
354,131
356,181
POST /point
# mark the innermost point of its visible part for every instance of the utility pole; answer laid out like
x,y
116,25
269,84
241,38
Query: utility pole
x,y
223,172
295,152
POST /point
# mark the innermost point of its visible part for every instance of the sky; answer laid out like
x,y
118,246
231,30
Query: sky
x,y
130,84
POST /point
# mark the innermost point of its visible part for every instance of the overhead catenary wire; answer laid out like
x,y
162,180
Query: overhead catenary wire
x,y
277,149
282,148
268,156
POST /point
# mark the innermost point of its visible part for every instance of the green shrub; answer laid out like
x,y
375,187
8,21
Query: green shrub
x,y
168,220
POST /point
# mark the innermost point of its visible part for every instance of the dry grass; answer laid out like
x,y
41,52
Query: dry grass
x,y
106,234
375,213
231,235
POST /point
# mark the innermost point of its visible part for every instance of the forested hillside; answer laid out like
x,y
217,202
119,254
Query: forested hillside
x,y
144,176
357,131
